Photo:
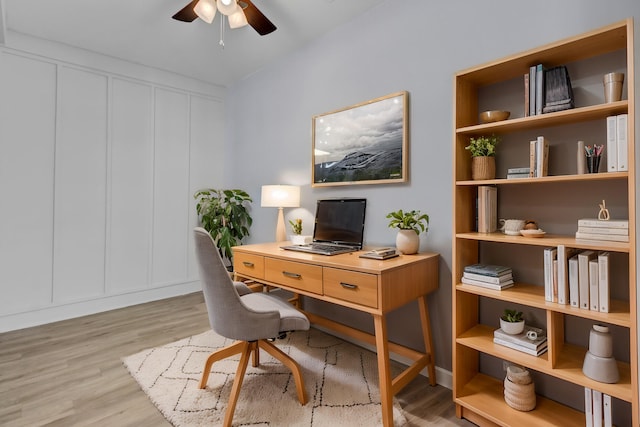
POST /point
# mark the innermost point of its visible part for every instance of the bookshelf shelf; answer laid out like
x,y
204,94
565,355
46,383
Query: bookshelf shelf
x,y
477,383
574,115
547,240
482,400
548,179
533,296
568,367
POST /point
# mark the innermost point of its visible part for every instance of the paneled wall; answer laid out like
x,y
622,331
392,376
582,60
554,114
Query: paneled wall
x,y
97,173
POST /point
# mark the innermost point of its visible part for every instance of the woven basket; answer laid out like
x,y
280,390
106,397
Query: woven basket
x,y
521,397
483,167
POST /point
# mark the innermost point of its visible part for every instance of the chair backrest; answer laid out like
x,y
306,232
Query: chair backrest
x,y
228,316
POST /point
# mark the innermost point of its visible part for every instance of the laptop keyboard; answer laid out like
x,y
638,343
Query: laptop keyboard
x,y
325,247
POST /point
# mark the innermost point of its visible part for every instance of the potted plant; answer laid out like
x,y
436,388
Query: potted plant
x,y
409,224
511,322
297,238
225,215
483,161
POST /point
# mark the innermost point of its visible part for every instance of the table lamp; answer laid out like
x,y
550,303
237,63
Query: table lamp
x,y
280,196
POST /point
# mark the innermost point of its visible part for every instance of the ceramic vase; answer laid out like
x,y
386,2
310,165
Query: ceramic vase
x,y
483,167
407,242
599,363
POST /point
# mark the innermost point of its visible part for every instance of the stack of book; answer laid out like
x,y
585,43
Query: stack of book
x,y
487,209
613,230
380,253
538,157
522,342
515,173
496,277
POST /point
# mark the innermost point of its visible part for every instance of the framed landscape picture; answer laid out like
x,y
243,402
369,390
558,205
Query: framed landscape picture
x,y
365,143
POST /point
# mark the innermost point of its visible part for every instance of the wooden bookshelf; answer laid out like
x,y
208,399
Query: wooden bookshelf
x,y
478,392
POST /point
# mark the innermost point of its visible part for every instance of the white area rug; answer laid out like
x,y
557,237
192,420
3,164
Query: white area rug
x,y
341,380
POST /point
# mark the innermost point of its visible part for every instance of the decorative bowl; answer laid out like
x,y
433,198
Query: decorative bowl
x,y
494,116
532,233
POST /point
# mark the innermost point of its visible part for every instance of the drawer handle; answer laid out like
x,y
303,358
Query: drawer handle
x,y
348,285
248,264
292,275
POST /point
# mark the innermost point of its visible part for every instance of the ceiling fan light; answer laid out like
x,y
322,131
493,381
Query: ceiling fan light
x,y
238,19
206,10
227,7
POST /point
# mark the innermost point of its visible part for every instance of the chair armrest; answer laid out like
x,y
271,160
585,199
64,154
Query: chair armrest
x,y
241,288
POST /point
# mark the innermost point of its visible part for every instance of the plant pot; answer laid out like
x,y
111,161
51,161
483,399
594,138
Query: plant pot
x,y
483,167
299,239
407,242
512,328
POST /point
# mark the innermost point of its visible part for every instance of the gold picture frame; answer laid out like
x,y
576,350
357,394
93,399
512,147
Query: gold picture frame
x,y
365,143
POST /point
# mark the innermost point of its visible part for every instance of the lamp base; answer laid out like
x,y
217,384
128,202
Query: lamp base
x,y
281,234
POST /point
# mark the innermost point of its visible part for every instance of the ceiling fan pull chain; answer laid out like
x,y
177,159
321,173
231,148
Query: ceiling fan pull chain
x,y
222,31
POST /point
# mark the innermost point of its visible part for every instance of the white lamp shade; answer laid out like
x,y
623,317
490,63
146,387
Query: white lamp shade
x,y
206,10
227,7
280,196
238,19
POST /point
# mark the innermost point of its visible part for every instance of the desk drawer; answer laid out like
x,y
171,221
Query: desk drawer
x,y
251,265
359,288
294,274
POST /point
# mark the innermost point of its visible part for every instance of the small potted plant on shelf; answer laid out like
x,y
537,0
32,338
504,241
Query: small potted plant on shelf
x,y
511,322
297,238
483,160
409,224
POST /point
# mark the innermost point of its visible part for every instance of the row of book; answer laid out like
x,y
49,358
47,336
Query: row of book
x,y
597,408
547,90
617,143
539,157
487,209
522,342
496,277
579,278
613,230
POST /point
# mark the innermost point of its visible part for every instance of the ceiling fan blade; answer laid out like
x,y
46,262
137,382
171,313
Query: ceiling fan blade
x,y
187,14
257,20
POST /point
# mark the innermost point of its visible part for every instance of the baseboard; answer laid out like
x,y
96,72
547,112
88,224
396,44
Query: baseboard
x,y
12,322
443,377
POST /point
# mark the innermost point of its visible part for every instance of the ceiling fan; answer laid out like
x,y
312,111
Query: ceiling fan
x,y
239,13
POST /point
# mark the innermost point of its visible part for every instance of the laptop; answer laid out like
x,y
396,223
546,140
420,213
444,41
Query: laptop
x,y
338,227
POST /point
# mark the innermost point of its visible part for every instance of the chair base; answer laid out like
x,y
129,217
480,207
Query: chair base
x,y
246,348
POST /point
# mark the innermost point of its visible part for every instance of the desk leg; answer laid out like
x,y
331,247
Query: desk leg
x,y
426,335
384,370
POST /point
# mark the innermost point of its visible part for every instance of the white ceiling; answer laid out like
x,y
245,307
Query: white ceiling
x,y
143,32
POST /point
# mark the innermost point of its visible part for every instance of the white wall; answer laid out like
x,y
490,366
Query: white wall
x,y
99,160
412,45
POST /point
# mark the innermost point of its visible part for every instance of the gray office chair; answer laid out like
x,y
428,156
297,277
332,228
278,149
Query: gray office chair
x,y
251,318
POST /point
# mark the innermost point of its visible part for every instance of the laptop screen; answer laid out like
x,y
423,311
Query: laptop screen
x,y
340,221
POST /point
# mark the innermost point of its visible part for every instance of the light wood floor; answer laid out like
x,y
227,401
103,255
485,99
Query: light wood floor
x,y
70,373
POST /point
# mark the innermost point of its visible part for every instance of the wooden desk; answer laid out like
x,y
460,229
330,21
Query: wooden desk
x,y
371,286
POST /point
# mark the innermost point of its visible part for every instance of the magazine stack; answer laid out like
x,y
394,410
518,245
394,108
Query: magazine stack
x,y
532,340
496,277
